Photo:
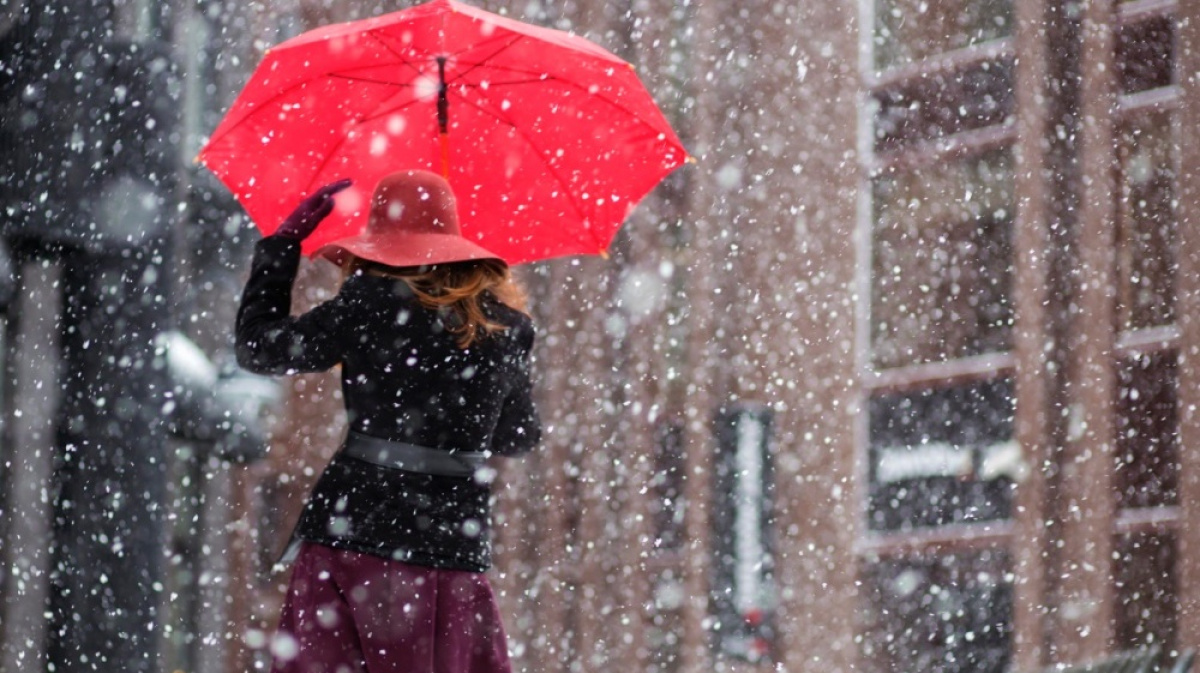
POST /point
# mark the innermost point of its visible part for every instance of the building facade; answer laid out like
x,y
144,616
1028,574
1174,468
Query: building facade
x,y
898,377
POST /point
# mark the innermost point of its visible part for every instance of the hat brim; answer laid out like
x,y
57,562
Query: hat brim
x,y
405,249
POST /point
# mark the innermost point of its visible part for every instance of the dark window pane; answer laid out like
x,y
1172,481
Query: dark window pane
x,y
942,455
1147,431
932,106
942,261
950,614
1146,223
907,31
1146,606
742,589
1145,54
667,505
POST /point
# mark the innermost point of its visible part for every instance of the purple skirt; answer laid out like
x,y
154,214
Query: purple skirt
x,y
355,613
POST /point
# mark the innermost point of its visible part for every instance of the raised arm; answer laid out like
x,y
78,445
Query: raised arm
x,y
268,339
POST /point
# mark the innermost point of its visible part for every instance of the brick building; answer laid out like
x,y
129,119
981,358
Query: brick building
x,y
898,377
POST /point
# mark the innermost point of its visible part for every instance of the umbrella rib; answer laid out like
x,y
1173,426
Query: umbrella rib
x,y
537,152
509,68
537,77
543,77
480,85
611,103
329,156
404,60
377,35
487,43
481,62
336,74
342,141
368,80
260,106
376,115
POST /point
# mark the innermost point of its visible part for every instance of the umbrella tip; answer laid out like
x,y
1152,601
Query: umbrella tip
x,y
691,160
604,254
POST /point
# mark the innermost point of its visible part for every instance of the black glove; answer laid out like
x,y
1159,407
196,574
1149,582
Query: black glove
x,y
305,218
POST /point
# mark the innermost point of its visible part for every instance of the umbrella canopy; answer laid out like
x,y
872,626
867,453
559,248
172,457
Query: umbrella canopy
x,y
547,139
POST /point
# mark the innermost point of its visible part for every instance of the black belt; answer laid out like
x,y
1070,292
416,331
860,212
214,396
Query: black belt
x,y
413,458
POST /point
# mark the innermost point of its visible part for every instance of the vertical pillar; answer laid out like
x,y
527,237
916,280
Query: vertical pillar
x,y
703,375
1086,602
1187,310
821,231
110,495
1032,339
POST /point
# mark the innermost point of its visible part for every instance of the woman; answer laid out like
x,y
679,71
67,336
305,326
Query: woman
x,y
434,354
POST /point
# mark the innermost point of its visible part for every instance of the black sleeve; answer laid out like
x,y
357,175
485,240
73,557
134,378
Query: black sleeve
x,y
519,428
268,339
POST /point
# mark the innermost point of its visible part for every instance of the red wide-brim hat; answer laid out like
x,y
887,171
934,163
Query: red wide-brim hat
x,y
413,222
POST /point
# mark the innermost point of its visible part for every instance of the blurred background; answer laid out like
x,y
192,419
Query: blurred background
x,y
899,376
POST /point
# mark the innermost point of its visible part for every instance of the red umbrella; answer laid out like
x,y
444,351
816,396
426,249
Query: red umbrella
x,y
547,139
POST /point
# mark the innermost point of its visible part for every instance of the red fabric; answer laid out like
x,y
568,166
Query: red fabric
x,y
552,140
356,613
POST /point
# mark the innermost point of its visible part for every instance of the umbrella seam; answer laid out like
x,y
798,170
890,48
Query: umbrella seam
x,y
541,76
654,130
403,60
329,155
480,63
380,33
545,77
212,141
538,152
376,115
473,64
355,78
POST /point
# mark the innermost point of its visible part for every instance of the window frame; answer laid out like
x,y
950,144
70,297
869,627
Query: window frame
x,y
1130,343
873,547
955,371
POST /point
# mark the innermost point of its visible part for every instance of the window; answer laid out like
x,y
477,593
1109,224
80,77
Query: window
x,y
908,32
1146,474
1147,431
742,592
942,455
939,399
942,246
1146,256
667,505
948,613
1145,579
941,392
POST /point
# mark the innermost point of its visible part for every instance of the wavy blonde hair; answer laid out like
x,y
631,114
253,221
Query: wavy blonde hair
x,y
458,286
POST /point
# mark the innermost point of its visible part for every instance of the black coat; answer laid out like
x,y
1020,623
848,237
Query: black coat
x,y
404,378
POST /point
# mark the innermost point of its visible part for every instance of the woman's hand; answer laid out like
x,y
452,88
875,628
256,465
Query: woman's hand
x,y
305,218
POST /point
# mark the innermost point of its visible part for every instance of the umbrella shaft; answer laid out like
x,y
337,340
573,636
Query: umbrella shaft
x,y
443,103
